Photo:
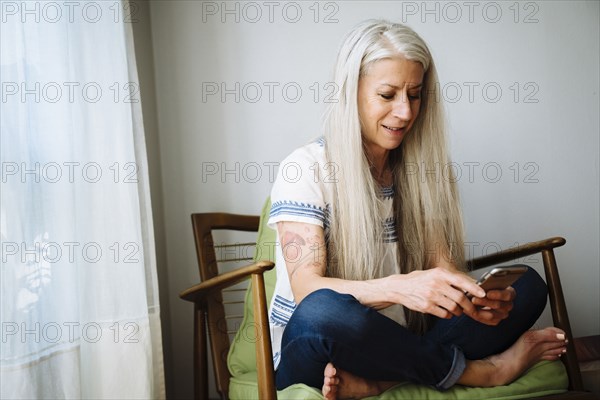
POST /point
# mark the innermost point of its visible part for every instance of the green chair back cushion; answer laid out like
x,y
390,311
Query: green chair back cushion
x,y
242,354
544,378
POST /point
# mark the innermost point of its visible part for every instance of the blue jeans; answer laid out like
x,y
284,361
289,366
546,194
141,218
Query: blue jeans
x,y
331,327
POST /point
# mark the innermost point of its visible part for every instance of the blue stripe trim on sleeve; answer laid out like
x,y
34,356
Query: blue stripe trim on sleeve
x,y
298,209
285,302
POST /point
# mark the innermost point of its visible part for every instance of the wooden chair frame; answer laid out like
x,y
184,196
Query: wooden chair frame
x,y
209,309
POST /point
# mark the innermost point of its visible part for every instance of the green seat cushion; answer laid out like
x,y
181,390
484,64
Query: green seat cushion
x,y
245,387
544,378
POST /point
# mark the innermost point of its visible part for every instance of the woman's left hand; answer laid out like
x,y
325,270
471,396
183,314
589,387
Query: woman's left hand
x,y
494,307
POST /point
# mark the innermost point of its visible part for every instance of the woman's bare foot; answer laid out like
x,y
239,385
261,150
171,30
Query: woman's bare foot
x,y
340,384
503,368
500,369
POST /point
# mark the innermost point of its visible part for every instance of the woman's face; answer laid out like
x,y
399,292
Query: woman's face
x,y
389,97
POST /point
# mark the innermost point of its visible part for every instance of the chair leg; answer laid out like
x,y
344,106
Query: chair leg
x,y
561,318
200,354
264,356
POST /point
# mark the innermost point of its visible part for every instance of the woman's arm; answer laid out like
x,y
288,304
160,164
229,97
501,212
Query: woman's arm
x,y
437,291
305,254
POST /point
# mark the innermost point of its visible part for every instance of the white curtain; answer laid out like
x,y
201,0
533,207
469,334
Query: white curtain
x,y
79,302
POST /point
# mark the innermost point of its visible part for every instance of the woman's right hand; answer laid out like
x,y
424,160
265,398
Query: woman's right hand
x,y
437,291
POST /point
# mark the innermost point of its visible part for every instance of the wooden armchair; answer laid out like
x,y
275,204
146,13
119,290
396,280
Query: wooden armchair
x,y
209,305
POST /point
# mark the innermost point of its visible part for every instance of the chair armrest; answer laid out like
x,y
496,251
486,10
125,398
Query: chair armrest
x,y
514,253
557,301
198,292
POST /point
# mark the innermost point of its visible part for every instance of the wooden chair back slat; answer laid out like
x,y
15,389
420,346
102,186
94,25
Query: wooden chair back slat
x,y
219,332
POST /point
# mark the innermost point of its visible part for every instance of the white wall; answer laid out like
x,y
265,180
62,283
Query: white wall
x,y
546,150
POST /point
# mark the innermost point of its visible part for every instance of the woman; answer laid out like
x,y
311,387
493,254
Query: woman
x,y
370,262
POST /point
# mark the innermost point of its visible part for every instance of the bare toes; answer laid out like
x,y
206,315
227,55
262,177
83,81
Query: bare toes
x,y
554,333
556,352
330,370
546,335
330,382
327,392
550,357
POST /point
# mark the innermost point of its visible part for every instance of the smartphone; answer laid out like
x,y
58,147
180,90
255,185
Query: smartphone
x,y
501,277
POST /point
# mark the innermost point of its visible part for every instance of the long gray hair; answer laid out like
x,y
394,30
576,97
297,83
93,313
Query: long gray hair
x,y
426,205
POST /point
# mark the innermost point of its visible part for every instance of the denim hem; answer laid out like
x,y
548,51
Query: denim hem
x,y
456,370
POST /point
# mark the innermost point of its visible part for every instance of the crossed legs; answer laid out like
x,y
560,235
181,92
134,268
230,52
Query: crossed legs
x,y
334,342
